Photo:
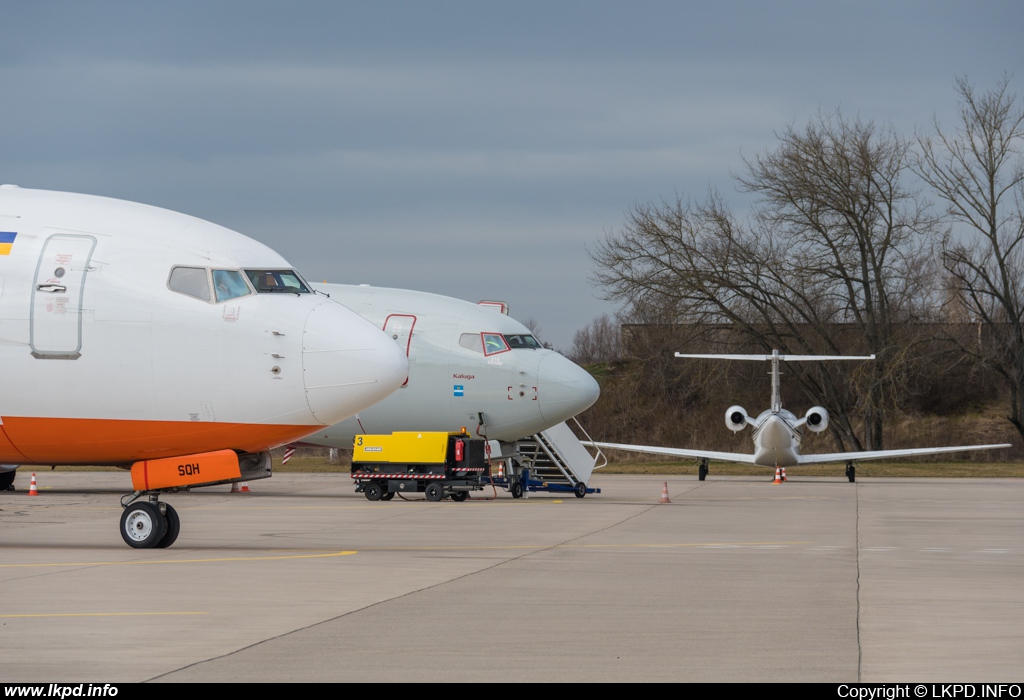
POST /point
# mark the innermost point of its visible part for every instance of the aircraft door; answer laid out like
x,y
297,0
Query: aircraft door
x,y
55,327
399,327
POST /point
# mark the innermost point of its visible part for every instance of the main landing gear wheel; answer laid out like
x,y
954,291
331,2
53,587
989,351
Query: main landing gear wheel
x,y
173,527
434,492
580,489
373,491
387,496
517,490
702,471
7,480
851,472
459,496
142,525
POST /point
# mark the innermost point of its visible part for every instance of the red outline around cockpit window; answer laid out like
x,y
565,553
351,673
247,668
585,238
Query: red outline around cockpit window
x,y
483,341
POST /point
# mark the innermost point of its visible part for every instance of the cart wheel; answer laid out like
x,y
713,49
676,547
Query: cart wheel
x,y
434,492
173,527
580,489
459,496
387,495
517,490
373,491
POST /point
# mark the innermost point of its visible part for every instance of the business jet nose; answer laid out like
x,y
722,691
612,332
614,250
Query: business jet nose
x,y
564,389
348,364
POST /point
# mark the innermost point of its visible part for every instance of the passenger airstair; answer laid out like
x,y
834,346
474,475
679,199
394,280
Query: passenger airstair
x,y
557,458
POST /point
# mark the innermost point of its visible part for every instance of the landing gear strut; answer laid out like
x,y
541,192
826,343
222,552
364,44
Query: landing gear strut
x,y
851,472
702,470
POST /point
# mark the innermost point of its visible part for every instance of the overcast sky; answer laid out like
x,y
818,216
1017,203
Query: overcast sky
x,y
473,149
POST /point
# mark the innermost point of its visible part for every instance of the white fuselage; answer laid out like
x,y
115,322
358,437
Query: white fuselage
x,y
107,363
776,441
465,361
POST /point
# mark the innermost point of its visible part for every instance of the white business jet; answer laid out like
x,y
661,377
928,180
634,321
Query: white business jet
x,y
143,338
777,432
470,365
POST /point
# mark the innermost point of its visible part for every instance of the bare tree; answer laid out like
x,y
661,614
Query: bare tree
x,y
834,256
978,170
598,341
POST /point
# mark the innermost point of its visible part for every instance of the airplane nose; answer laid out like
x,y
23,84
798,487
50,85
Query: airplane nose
x,y
348,364
564,389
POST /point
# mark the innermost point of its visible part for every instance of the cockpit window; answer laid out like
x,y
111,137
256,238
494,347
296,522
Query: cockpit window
x,y
228,284
523,341
191,281
494,343
471,341
277,281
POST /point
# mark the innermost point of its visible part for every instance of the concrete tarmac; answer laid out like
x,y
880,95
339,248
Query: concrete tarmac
x,y
737,579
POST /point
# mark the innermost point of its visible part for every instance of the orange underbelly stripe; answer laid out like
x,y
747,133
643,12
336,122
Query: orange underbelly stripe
x,y
104,441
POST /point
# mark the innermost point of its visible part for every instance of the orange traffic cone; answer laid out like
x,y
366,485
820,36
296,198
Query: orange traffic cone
x,y
501,470
778,476
235,488
664,494
245,487
784,474
32,486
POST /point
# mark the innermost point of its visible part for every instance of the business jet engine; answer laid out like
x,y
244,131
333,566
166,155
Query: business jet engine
x,y
735,418
816,419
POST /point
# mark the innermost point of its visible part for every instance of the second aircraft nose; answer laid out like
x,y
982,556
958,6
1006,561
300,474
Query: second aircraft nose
x,y
348,364
564,389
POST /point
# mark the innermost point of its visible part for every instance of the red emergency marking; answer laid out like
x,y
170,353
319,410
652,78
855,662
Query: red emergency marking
x,y
367,475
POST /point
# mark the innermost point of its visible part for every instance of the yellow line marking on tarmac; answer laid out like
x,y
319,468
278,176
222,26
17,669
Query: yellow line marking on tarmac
x,y
128,614
469,547
463,548
182,561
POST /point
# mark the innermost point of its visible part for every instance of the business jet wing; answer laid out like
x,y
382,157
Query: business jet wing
x,y
677,452
886,454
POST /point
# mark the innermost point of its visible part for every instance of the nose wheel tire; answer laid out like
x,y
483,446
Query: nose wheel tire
x,y
580,489
434,492
173,527
142,525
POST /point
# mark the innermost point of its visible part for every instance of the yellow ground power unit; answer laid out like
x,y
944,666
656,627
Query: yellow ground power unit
x,y
438,465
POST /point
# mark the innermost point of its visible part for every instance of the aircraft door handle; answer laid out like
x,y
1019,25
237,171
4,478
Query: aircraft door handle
x,y
52,288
